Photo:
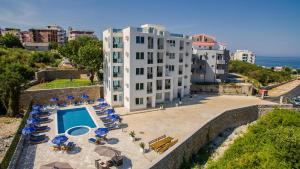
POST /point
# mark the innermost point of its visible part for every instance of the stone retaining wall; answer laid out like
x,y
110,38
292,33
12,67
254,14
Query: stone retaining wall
x,y
173,157
52,74
229,89
43,96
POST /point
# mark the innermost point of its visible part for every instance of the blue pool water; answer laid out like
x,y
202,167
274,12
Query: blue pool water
x,y
77,131
73,117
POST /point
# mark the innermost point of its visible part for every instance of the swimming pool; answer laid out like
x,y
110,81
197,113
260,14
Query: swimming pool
x,y
70,118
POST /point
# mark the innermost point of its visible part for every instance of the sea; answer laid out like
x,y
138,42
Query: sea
x,y
271,61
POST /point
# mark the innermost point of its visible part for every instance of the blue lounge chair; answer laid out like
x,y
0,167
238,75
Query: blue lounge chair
x,y
38,139
41,129
70,146
43,120
91,101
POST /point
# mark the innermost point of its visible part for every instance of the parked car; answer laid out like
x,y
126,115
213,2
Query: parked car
x,y
296,101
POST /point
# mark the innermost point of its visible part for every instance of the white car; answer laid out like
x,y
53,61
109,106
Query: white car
x,y
296,101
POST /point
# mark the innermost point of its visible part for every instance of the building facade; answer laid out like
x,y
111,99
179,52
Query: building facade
x,y
74,33
209,60
52,33
25,36
244,55
145,66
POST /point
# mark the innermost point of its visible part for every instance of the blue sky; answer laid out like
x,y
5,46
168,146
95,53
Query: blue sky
x,y
268,27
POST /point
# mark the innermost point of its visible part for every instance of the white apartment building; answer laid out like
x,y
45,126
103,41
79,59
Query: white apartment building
x,y
145,66
244,55
209,61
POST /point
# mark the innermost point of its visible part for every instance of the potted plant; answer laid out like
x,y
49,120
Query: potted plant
x,y
132,135
142,147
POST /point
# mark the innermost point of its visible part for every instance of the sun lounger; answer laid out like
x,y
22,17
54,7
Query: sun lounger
x,y
41,129
112,127
38,139
94,141
157,139
63,104
44,120
42,114
70,146
91,101
100,113
56,148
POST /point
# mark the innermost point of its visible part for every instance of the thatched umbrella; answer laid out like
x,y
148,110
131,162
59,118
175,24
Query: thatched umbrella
x,y
57,165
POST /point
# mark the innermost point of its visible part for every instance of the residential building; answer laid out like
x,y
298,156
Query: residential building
x,y
52,33
61,33
36,46
209,61
14,31
43,35
244,55
25,37
74,33
145,66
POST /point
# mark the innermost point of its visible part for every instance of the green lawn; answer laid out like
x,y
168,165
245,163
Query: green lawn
x,y
62,83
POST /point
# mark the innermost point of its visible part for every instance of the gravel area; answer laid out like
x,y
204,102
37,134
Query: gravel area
x,y
8,129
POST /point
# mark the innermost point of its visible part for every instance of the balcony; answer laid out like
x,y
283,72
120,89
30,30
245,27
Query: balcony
x,y
117,74
159,74
167,86
220,71
180,60
149,91
119,60
181,48
150,76
180,72
117,30
179,83
160,47
221,62
117,88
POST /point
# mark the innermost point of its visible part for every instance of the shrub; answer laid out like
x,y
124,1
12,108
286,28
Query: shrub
x,y
273,142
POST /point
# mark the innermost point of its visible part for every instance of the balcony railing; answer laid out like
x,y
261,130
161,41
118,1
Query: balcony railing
x,y
117,60
221,62
180,60
117,88
117,74
180,72
149,91
159,88
181,48
220,71
179,83
149,76
160,47
168,86
150,61
176,35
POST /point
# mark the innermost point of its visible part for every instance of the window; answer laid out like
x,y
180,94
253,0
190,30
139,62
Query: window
x,y
171,42
117,42
171,55
140,39
139,86
115,98
139,55
138,101
171,67
139,71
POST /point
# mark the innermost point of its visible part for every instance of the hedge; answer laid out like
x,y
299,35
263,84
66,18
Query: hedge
x,y
11,150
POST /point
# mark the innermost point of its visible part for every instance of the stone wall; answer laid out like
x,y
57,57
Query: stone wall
x,y
185,148
230,89
52,74
43,96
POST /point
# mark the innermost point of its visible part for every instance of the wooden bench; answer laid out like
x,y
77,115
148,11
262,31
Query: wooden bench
x,y
155,140
167,146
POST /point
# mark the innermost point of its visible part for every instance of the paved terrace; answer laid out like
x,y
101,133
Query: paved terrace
x,y
177,122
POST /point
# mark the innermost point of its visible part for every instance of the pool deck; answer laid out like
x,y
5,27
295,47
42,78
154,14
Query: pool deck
x,y
177,122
